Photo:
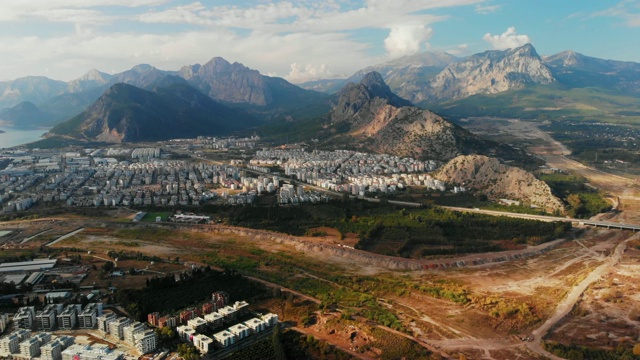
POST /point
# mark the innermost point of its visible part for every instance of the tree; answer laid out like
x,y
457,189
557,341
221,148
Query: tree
x,y
577,207
108,266
276,343
188,352
636,349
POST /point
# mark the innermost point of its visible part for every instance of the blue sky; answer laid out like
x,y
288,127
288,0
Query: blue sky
x,y
297,39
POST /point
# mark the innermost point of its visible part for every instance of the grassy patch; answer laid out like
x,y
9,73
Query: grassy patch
x,y
396,231
583,201
151,216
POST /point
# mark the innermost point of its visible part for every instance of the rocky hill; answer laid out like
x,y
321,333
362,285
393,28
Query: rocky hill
x,y
372,117
490,72
125,113
496,180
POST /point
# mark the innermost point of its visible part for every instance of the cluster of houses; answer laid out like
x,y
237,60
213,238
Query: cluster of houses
x,y
131,332
290,194
349,171
192,323
206,142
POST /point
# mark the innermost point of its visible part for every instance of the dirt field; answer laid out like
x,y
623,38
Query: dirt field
x,y
538,283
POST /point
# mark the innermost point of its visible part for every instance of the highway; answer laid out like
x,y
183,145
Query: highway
x,y
603,224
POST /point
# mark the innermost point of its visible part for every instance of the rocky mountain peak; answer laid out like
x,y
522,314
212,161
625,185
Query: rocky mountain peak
x,y
373,79
94,75
353,97
26,105
377,87
490,72
141,68
525,50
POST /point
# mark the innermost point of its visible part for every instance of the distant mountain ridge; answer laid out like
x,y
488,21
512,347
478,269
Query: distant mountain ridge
x,y
126,113
405,75
429,80
577,70
433,78
219,79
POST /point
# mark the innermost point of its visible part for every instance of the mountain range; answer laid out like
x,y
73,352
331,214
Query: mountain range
x,y
126,113
235,85
490,83
433,78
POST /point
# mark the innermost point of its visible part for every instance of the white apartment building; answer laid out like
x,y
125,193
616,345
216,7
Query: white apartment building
x,y
68,318
145,341
224,338
241,331
116,328
130,330
105,320
203,343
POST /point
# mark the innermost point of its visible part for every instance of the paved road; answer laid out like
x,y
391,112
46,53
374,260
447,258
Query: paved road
x,y
605,224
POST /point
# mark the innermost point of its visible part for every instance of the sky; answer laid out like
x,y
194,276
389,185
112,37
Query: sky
x,y
298,40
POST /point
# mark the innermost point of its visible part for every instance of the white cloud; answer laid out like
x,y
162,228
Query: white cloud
x,y
67,57
460,50
300,74
55,10
186,14
78,16
628,10
309,16
507,40
487,9
406,40
266,35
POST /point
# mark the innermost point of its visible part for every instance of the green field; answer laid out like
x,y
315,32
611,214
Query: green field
x,y
392,230
545,103
151,216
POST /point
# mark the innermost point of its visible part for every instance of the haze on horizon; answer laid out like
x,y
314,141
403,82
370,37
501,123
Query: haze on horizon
x,y
298,40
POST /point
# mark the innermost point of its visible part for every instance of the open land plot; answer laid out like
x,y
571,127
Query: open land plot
x,y
608,315
470,309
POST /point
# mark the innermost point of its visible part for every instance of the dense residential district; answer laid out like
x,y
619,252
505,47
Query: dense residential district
x,y
167,176
63,330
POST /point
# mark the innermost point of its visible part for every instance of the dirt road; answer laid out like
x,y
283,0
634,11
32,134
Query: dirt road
x,y
572,298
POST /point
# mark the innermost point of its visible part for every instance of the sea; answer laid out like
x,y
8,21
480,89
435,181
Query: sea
x,y
17,136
